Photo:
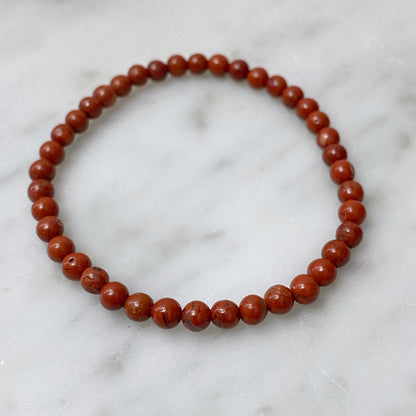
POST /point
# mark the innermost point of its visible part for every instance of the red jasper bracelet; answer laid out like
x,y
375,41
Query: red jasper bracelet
x,y
196,315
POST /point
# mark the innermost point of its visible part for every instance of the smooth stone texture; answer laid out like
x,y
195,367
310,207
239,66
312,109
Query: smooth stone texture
x,y
196,316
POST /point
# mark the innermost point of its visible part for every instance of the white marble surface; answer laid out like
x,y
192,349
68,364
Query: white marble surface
x,y
203,188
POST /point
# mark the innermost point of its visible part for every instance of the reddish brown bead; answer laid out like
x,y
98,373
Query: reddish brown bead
x,y
105,95
138,307
138,75
157,70
275,85
306,106
42,169
341,171
352,211
43,207
196,316
113,295
350,190
225,314
166,313
218,65
253,309
39,188
304,288
93,279
291,96
238,69
77,120
52,151
121,85
49,227
323,271
59,247
333,152
316,121
197,63
336,252
74,264
327,136
350,233
257,78
91,107
177,65
63,134
279,299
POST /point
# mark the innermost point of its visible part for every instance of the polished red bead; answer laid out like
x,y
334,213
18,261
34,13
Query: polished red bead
x,y
138,307
62,134
39,188
93,279
323,271
59,247
291,96
177,65
337,252
333,152
304,288
253,309
196,316
91,107
353,211
279,299
121,85
43,207
157,70
77,120
257,78
138,75
275,85
218,65
316,121
350,233
225,314
327,136
166,313
350,190
52,151
238,69
113,295
306,106
49,227
42,169
74,264
105,95
341,171
197,63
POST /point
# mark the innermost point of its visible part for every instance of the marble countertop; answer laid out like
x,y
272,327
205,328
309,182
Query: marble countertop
x,y
202,188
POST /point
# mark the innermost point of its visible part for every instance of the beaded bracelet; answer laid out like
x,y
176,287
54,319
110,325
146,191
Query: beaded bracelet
x,y
196,315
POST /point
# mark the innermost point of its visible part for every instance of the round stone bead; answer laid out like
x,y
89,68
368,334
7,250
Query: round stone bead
x,y
323,271
196,316
350,190
93,279
341,171
304,288
59,247
327,136
42,169
138,75
49,227
121,85
225,314
91,107
77,120
113,295
218,65
105,95
350,233
257,78
291,96
39,188
177,65
275,85
52,151
306,106
353,211
62,134
166,313
238,69
138,307
74,264
197,63
157,70
253,309
332,153
279,299
44,207
337,252
316,121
